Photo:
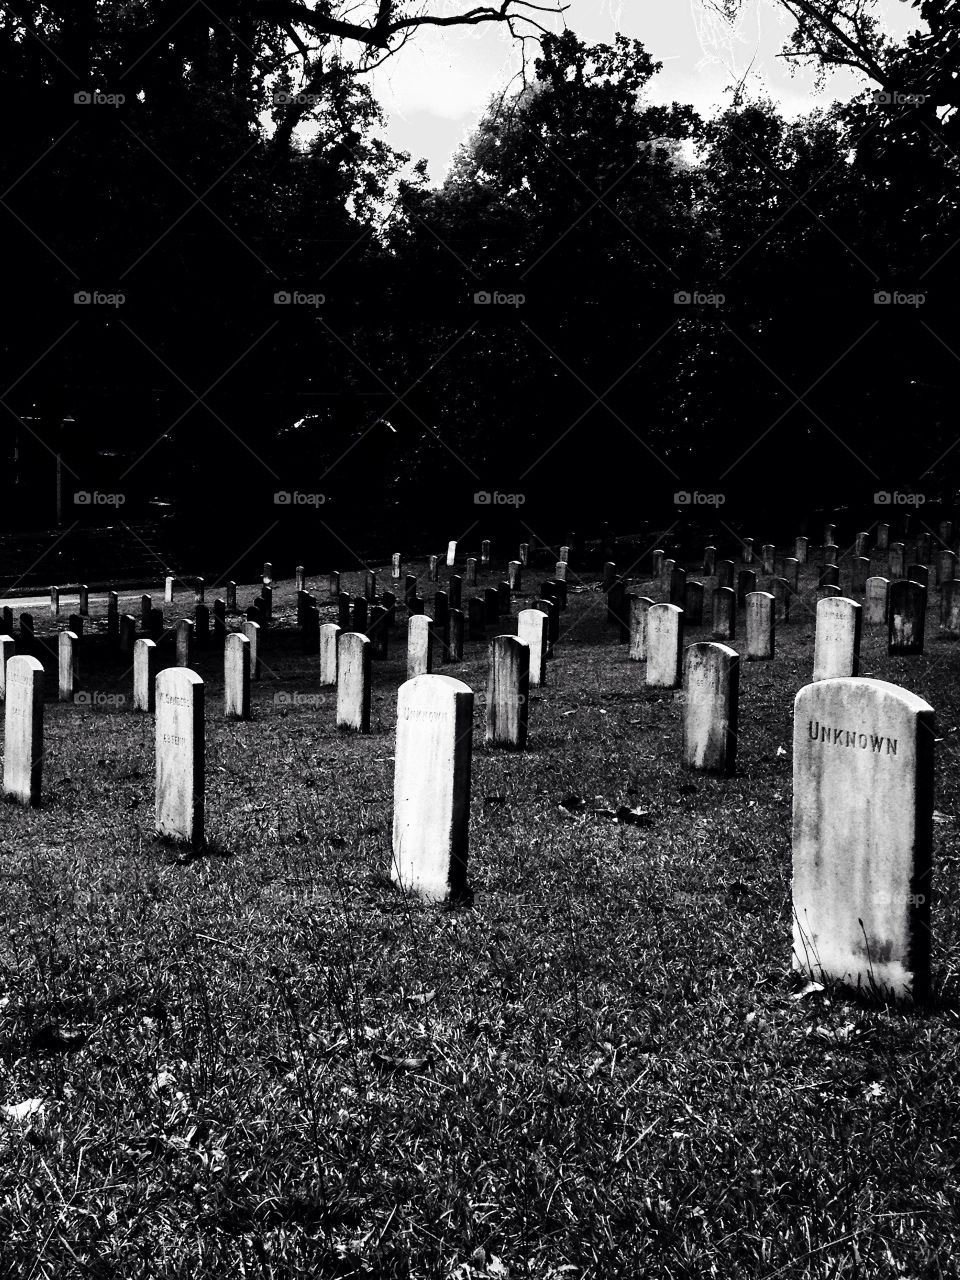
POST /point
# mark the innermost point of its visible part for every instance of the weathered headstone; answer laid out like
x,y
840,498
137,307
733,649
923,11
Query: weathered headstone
x,y
329,639
747,551
409,588
761,626
725,570
863,761
919,573
201,626
6,620
358,621
251,630
514,574
28,639
370,585
711,684
455,591
946,566
389,602
693,605
184,642
144,676
55,600
453,648
267,576
533,628
83,608
898,560
491,601
353,682
67,654
829,592
236,677
639,607
8,648
875,601
476,618
524,552
831,553
829,576
419,646
709,561
396,566
678,586
724,614
861,544
923,548
783,598
560,573
128,632
610,571
664,646
791,571
198,591
344,612
945,531
767,553
168,590
503,592
949,610
266,595
485,551
837,644
180,755
23,731
508,691
219,621
616,607
800,549
441,617
75,624
470,572
861,571
451,554
299,578
746,582
433,568
565,554
431,807
883,537
155,626
906,615
333,584
378,632
657,558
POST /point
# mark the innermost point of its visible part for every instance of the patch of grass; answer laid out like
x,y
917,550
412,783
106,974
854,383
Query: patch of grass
x,y
266,1061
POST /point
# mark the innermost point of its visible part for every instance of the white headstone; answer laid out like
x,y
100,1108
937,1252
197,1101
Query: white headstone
x,y
533,629
168,590
329,639
508,688
8,647
711,681
184,642
431,798
639,606
875,601
837,647
67,655
863,755
353,682
180,755
664,646
252,631
144,675
23,731
451,554
236,677
761,625
420,654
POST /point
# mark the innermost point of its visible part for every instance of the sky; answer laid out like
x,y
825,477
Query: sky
x,y
436,89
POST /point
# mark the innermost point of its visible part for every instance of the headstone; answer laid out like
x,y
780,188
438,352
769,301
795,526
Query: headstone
x,y
329,637
419,646
266,594
678,587
898,560
6,620
693,605
431,806
219,621
299,578
75,624
409,588
923,548
267,575
828,592
344,612
907,615
55,600
801,550
83,608
378,633
945,531
441,616
747,552
251,630
863,762
828,531
919,573
767,552
524,552
709,561
184,642
724,614
470,572
946,566
180,755
550,605
508,685
711,683
560,573
533,629
396,566
666,572
389,602
455,591
565,554
761,626
639,607
128,632
664,646
783,598
861,544
791,571
861,571
370,585
8,648
883,537
831,553
476,618
513,574
837,644
23,731
610,570
146,604
201,626
333,584
829,576
353,682
503,591
485,552
416,606
434,568
67,653
358,621
746,582
616,607
657,558
144,676
168,590
27,637
725,573
949,610
491,600
451,554
875,603
236,677
113,617
155,625
453,648
198,590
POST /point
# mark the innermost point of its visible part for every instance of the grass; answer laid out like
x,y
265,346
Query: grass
x,y
266,1061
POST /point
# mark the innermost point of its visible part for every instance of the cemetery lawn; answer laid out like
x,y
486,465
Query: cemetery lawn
x,y
265,1061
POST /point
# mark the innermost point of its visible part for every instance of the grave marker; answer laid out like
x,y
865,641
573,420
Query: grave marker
x,y
876,600
767,552
724,613
907,615
709,561
639,607
8,648
23,731
83,608
353,682
508,687
419,646
485,552
470,572
949,610
837,644
236,677
329,638
761,626
128,632
725,573
451,554
692,604
180,755
144,676
476,618
198,590
514,574
184,642
67,654
168,590
533,629
801,550
678,587
251,630
664,646
453,649
746,582
711,687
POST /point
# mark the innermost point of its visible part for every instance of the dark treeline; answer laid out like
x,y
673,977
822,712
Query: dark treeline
x,y
388,393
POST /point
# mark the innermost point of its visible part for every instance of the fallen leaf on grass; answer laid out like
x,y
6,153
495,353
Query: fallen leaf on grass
x,y
383,1062
421,997
810,989
23,1110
